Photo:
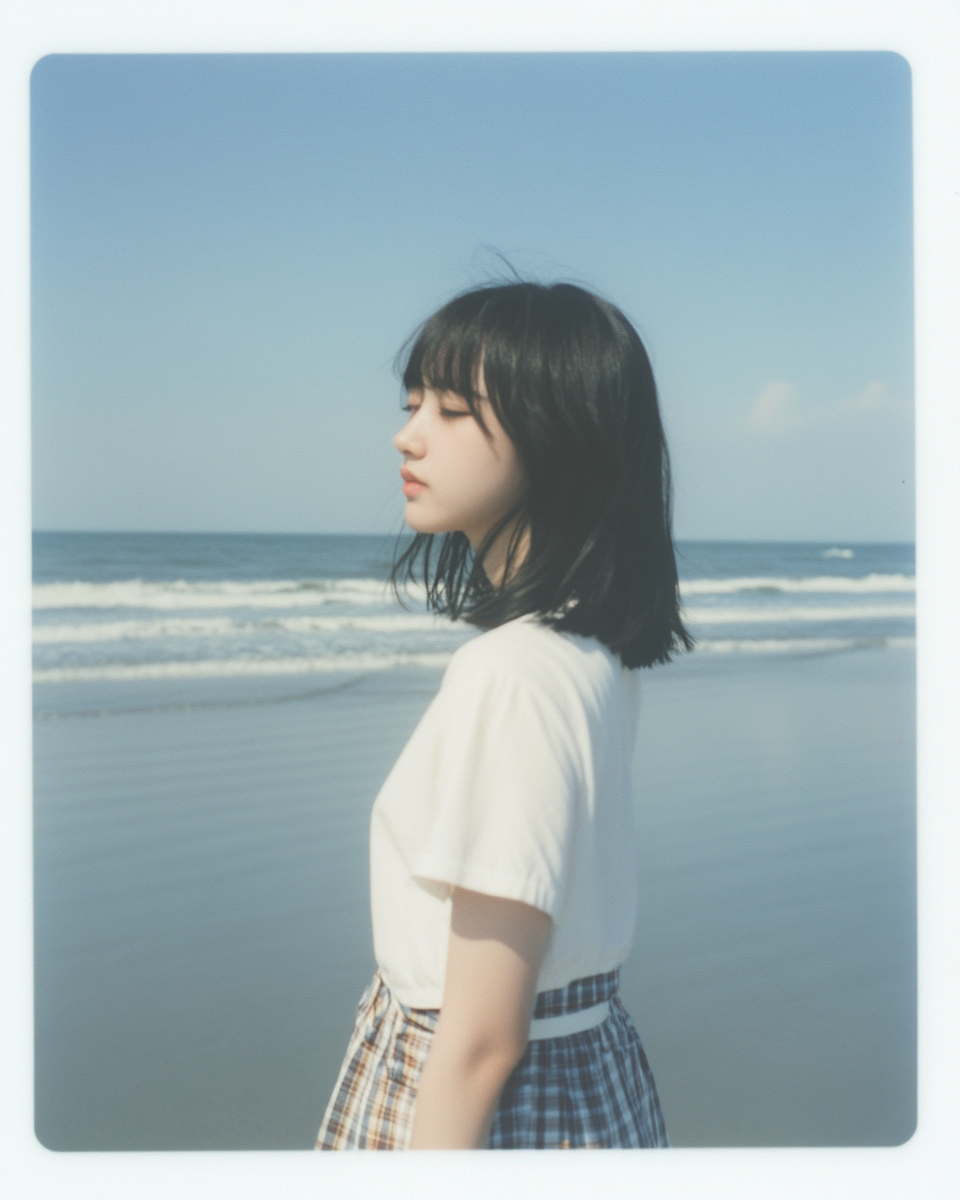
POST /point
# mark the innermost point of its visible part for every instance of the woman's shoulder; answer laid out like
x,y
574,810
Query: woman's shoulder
x,y
526,650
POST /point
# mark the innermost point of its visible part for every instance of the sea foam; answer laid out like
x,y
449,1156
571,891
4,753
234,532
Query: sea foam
x,y
406,623
280,593
774,613
223,668
817,583
214,627
801,645
265,593
365,663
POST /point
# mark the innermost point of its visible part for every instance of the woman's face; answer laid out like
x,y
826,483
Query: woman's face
x,y
457,476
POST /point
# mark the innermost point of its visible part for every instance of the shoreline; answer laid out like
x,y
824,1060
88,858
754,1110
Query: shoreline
x,y
203,921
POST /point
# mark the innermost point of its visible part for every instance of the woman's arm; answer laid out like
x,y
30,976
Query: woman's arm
x,y
494,955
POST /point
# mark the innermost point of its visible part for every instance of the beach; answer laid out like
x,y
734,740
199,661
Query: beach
x,y
202,914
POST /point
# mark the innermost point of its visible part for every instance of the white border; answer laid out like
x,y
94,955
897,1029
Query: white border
x,y
927,34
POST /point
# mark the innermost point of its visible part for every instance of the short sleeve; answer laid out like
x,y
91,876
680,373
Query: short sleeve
x,y
506,788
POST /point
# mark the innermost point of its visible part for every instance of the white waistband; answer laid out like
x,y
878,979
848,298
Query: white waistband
x,y
567,1023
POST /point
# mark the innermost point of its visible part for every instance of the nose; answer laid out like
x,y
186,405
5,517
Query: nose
x,y
407,440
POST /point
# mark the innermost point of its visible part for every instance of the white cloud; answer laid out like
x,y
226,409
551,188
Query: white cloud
x,y
875,398
775,410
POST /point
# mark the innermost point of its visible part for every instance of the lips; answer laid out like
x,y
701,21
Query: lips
x,y
412,486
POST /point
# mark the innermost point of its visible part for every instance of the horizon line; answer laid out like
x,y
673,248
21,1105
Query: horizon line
x,y
839,542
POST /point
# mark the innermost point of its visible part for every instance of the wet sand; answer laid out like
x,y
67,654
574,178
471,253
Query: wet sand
x,y
202,923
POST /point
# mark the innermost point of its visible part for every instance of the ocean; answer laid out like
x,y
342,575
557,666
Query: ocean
x,y
215,714
123,608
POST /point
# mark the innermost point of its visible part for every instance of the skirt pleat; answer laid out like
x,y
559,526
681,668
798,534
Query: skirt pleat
x,y
589,1089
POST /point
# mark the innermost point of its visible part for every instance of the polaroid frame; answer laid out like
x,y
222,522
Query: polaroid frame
x,y
927,34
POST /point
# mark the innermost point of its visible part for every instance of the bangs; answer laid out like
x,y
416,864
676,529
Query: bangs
x,y
447,354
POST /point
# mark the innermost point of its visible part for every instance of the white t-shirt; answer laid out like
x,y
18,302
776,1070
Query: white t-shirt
x,y
516,783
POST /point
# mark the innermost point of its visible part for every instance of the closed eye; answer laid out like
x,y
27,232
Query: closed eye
x,y
444,412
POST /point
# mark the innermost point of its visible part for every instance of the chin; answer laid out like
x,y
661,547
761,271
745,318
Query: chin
x,y
420,522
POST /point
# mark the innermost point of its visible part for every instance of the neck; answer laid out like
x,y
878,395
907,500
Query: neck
x,y
495,559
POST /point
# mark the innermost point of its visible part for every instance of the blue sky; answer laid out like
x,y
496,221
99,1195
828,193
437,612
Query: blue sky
x,y
229,250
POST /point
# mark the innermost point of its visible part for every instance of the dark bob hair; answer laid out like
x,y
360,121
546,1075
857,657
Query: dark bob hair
x,y
570,382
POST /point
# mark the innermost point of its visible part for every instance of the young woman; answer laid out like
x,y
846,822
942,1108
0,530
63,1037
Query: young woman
x,y
502,853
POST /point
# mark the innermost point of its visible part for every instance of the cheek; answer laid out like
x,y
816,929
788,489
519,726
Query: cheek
x,y
504,482
484,473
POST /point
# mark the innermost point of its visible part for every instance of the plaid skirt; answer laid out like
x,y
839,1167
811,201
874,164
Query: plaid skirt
x,y
589,1089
